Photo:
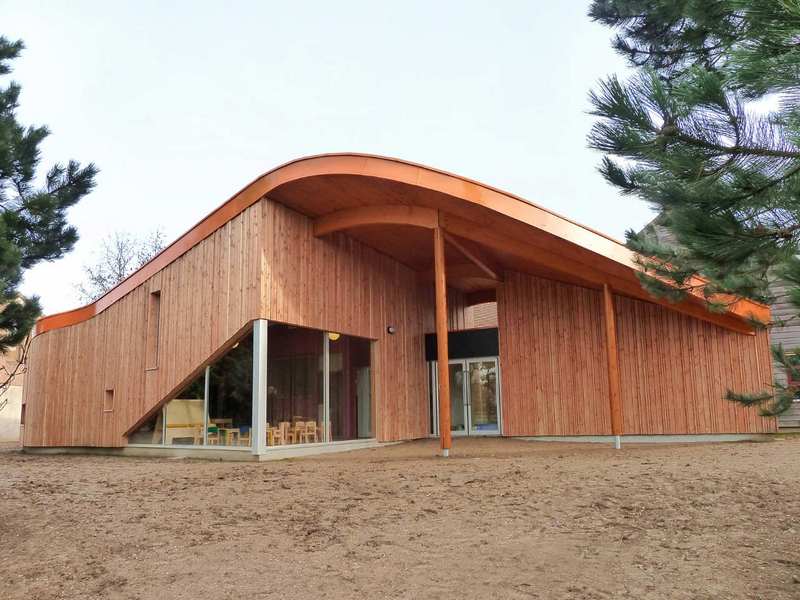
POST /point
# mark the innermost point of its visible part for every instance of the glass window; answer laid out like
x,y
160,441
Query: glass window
x,y
483,395
184,415
228,385
216,408
230,396
294,385
151,431
350,388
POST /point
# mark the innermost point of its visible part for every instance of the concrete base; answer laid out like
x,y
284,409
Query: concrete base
x,y
233,454
704,438
296,451
282,452
206,453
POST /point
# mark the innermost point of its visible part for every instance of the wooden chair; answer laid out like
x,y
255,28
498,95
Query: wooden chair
x,y
286,429
245,439
278,435
310,433
213,435
272,435
296,432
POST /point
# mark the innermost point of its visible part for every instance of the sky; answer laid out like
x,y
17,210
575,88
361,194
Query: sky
x,y
181,104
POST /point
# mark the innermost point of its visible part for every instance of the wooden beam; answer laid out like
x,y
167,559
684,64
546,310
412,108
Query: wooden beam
x,y
612,359
442,352
475,257
455,272
593,276
362,216
480,297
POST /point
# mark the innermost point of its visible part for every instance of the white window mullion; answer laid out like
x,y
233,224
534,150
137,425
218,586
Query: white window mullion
x,y
205,404
258,426
326,390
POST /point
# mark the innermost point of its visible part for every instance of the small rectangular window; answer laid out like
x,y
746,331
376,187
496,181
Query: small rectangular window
x,y
108,401
153,317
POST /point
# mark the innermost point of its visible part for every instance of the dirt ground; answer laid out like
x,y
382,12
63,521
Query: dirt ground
x,y
500,519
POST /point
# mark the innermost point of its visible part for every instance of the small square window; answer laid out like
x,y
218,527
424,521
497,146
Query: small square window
x,y
108,401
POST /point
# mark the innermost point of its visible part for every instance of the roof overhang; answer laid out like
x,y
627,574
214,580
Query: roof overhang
x,y
392,205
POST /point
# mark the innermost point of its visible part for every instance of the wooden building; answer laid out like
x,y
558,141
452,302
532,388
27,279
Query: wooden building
x,y
298,312
782,311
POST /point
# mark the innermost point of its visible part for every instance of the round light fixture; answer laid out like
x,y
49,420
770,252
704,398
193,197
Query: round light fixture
x,y
390,330
334,336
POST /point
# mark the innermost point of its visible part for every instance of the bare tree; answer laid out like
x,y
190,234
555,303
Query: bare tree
x,y
119,255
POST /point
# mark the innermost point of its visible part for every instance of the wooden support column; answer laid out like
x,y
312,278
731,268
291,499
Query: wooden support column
x,y
612,354
442,352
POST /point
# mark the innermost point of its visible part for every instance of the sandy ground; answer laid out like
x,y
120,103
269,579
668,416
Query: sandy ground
x,y
500,519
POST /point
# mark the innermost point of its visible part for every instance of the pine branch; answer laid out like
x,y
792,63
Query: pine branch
x,y
33,223
738,150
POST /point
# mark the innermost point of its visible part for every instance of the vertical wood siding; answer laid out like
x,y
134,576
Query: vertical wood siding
x,y
337,284
264,263
552,358
674,369
481,316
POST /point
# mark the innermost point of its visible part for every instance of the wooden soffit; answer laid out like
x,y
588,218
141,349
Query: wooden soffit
x,y
392,205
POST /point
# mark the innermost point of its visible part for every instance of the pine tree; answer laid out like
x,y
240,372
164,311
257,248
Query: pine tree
x,y
689,133
33,217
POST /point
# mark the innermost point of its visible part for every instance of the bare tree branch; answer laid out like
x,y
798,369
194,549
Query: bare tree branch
x,y
119,255
11,372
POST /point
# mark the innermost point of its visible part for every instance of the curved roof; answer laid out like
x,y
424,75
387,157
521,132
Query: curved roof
x,y
388,204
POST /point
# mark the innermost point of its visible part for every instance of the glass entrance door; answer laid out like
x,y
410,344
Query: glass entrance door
x,y
482,393
474,397
458,400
